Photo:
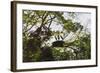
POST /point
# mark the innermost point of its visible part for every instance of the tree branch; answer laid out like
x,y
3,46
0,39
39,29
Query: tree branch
x,y
51,21
30,27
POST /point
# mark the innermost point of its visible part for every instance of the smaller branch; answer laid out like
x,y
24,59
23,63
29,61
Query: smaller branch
x,y
30,27
65,36
44,14
51,21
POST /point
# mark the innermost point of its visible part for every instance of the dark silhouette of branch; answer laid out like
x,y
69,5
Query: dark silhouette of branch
x,y
51,21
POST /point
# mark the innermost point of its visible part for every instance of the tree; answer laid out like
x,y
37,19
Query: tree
x,y
37,31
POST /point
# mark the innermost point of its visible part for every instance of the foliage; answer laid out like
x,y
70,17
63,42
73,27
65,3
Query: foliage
x,y
37,31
